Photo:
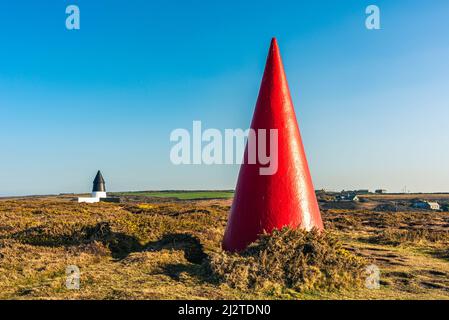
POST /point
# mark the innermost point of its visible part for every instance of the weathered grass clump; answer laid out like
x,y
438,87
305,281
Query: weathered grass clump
x,y
398,237
293,259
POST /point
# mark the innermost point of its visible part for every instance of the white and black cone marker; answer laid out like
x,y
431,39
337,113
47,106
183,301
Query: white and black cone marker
x,y
98,190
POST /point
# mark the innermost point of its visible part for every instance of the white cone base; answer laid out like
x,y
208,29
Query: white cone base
x,y
96,196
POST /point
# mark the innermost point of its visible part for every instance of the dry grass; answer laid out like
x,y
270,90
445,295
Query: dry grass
x,y
417,236
172,250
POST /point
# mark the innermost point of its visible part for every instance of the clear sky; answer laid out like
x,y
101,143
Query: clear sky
x,y
372,105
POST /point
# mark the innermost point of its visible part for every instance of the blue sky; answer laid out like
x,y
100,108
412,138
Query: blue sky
x,y
373,106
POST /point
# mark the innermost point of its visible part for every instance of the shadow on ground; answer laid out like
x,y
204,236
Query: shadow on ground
x,y
120,244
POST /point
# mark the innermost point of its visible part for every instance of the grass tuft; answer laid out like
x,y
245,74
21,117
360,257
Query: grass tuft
x,y
419,236
292,259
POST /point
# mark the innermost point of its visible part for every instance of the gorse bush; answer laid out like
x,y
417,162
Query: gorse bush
x,y
293,259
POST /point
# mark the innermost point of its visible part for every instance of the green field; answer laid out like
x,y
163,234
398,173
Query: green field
x,y
182,195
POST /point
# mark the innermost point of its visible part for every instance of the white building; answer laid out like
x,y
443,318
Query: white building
x,y
98,190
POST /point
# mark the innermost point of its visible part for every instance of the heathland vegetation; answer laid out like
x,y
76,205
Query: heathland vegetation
x,y
171,249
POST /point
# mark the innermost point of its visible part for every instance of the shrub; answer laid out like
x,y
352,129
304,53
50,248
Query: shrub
x,y
293,259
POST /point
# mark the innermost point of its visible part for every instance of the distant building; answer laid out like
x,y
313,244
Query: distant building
x,y
428,205
98,190
380,191
347,197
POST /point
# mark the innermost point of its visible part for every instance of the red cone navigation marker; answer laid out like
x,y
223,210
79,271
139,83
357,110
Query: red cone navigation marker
x,y
287,197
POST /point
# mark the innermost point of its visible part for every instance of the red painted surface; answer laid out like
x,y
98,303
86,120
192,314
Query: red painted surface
x,y
287,198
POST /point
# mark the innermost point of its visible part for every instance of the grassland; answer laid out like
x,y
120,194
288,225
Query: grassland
x,y
157,251
407,196
181,195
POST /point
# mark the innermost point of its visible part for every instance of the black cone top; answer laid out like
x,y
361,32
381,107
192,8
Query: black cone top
x,y
99,185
